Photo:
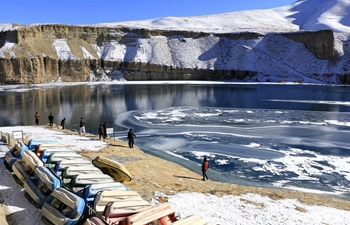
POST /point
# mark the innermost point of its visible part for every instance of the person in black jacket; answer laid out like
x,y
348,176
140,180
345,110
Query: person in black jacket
x,y
51,119
63,123
131,136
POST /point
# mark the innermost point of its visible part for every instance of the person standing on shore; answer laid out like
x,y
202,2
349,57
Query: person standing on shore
x,y
105,130
51,119
101,132
37,117
205,167
63,122
82,126
131,136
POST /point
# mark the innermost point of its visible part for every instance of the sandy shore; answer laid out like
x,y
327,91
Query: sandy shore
x,y
150,174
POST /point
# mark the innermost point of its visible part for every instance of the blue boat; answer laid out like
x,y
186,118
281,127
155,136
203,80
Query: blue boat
x,y
90,191
15,153
63,207
42,184
35,142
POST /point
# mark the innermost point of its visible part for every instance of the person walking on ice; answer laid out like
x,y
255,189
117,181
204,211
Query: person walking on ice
x,y
131,136
82,126
205,167
37,117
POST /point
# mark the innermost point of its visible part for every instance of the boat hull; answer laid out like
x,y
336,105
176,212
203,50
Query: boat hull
x,y
63,207
90,191
42,184
112,168
25,167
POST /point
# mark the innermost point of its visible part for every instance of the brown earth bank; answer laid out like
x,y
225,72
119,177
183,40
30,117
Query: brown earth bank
x,y
150,174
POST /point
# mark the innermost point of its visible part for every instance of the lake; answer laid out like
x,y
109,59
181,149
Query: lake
x,y
280,135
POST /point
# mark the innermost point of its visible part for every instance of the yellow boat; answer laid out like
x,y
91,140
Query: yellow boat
x,y
112,168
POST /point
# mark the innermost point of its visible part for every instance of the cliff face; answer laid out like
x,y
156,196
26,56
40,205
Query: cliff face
x,y
38,54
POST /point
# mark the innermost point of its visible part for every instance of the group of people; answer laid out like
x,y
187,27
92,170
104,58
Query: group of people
x,y
51,118
102,133
63,122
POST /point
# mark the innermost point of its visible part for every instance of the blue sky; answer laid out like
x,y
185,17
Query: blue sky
x,y
101,11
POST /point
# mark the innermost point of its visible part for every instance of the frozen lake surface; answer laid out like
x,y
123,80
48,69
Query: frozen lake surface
x,y
291,136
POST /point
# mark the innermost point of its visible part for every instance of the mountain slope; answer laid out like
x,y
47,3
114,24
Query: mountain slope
x,y
302,15
257,45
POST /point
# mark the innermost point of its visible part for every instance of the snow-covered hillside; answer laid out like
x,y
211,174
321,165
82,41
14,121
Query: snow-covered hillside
x,y
272,57
302,15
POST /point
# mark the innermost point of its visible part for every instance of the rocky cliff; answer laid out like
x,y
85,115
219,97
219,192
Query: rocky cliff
x,y
43,53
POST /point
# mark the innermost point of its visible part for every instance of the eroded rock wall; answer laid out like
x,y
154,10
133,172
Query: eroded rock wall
x,y
33,59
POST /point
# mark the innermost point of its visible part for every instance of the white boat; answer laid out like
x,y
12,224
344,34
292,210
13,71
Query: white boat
x,y
69,172
114,212
42,184
90,191
25,167
63,207
80,181
104,197
61,165
63,156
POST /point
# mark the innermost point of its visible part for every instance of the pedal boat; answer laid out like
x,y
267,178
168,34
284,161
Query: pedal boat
x,y
25,167
42,184
63,207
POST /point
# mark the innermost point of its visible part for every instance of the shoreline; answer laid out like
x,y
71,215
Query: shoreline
x,y
151,173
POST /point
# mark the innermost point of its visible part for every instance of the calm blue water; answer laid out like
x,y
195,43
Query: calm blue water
x,y
292,136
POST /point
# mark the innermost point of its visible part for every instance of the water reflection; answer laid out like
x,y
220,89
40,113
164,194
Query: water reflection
x,y
288,135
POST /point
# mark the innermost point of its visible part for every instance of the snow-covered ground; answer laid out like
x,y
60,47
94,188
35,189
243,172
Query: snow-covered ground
x,y
227,210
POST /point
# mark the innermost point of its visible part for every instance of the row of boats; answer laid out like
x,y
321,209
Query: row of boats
x,y
71,189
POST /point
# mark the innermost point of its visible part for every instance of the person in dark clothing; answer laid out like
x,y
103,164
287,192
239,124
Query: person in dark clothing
x,y
37,117
63,122
131,136
205,167
82,126
51,119
101,132
105,130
